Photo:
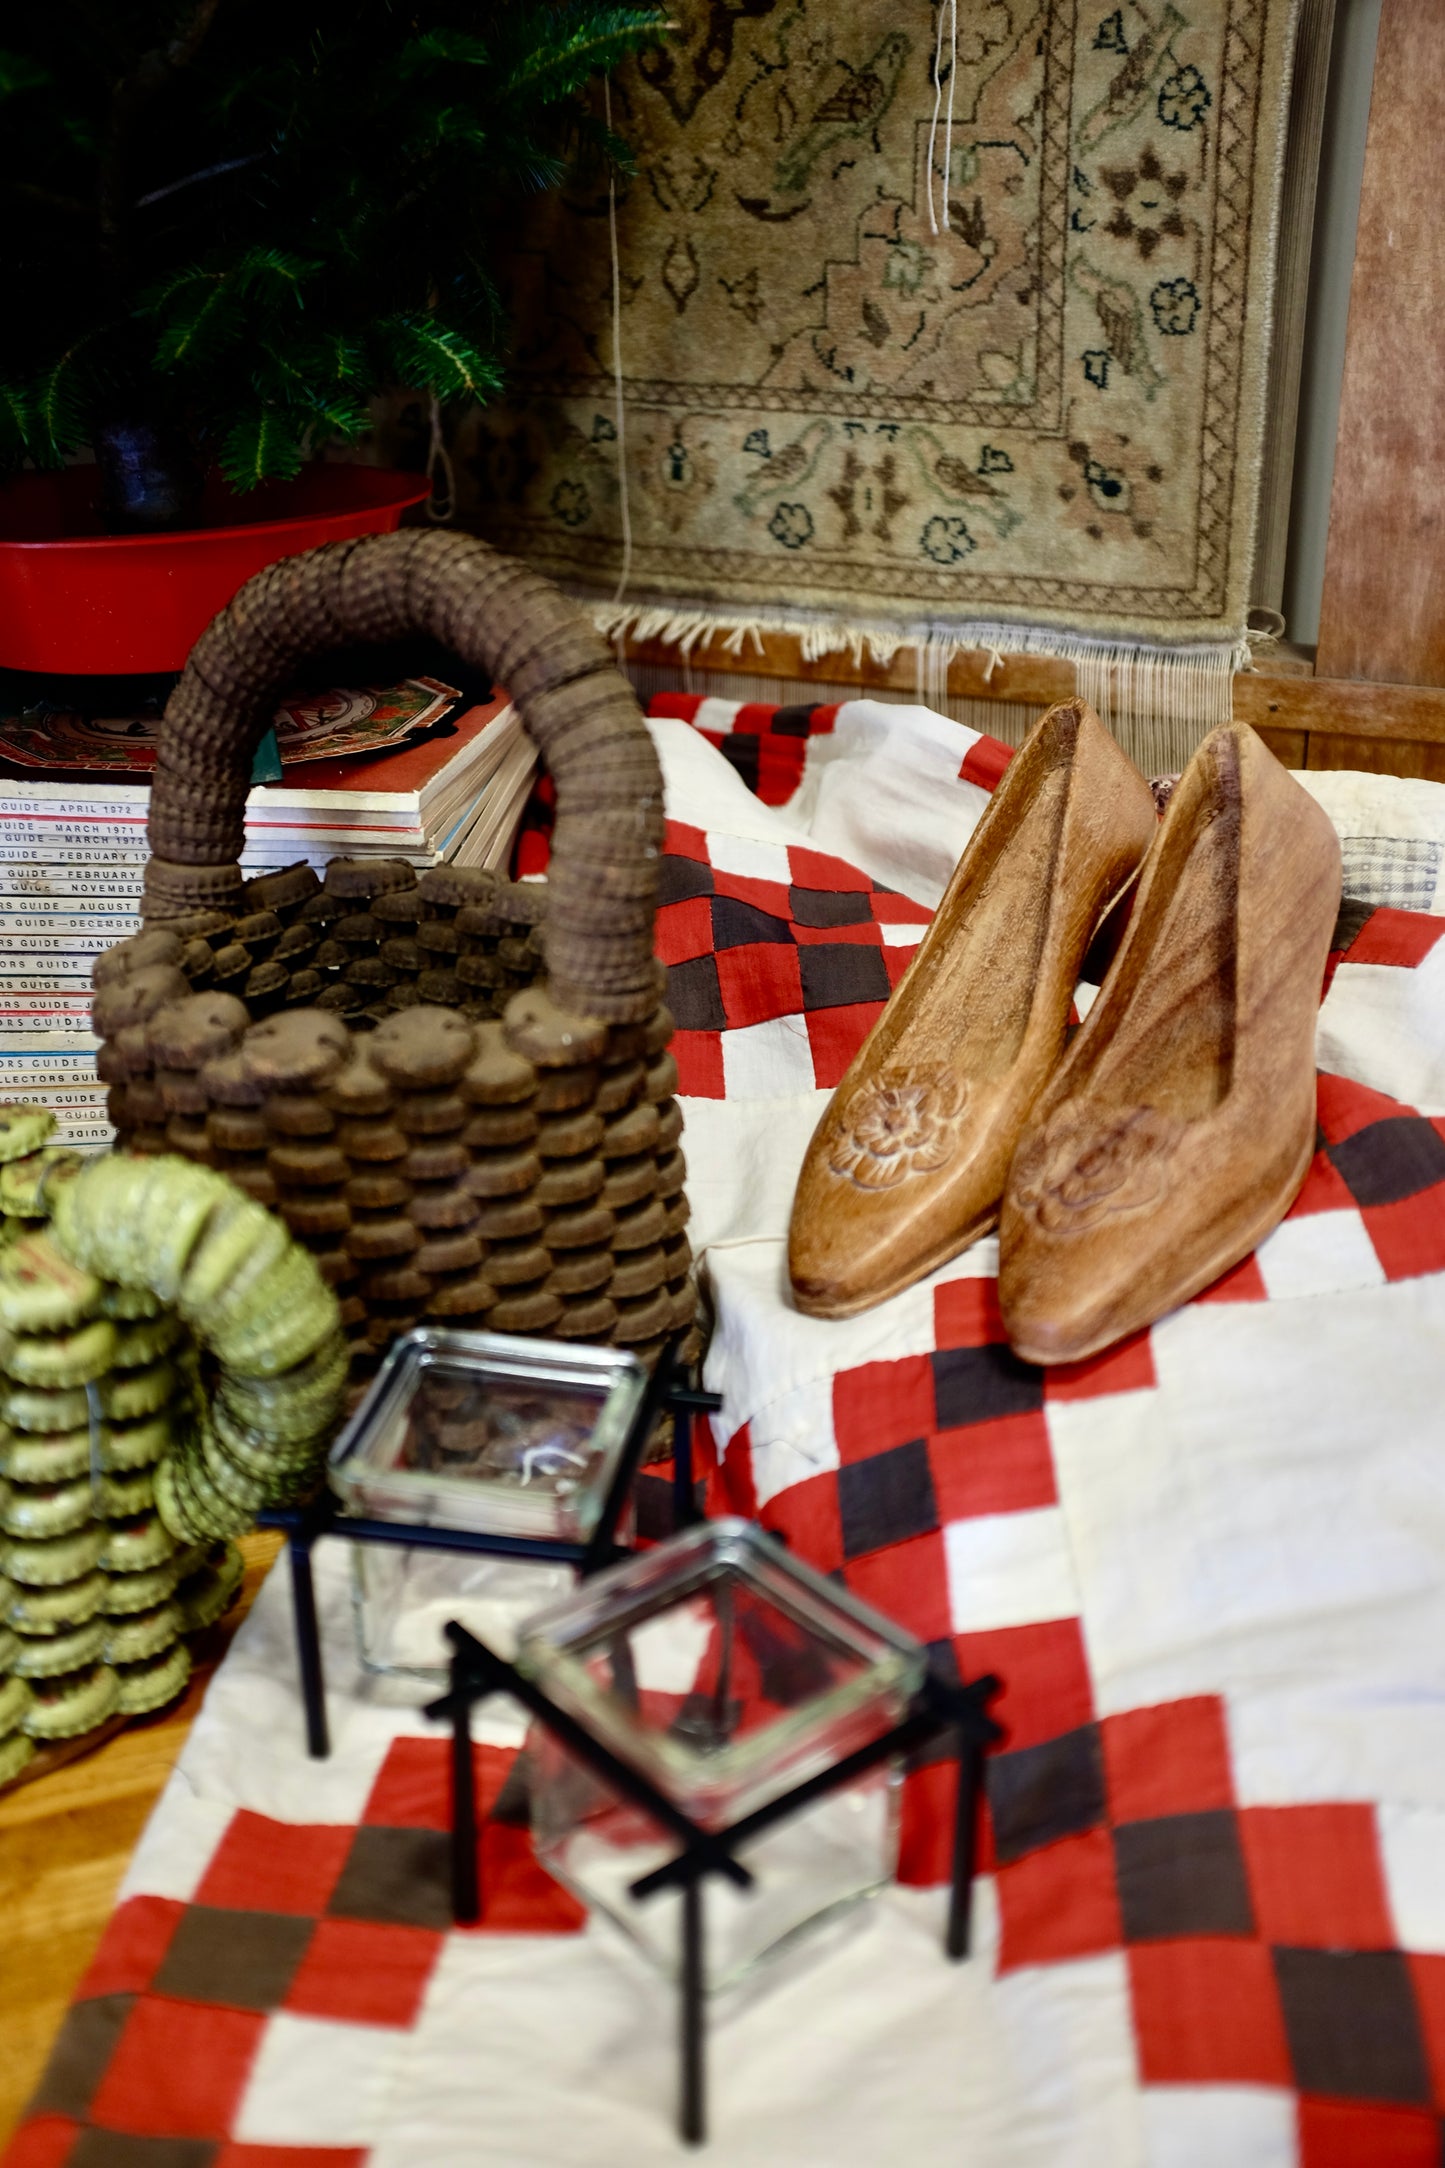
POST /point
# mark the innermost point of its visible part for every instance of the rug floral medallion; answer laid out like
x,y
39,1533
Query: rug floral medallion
x,y
1044,411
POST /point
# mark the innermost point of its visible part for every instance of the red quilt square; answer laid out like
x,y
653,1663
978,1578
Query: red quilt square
x,y
730,1485
1169,1759
363,1973
1325,1189
236,2155
266,1866
925,1831
1427,1975
532,854
882,1404
1058,1902
1345,1106
755,716
907,1582
896,960
136,1938
1409,1237
1243,1282
835,1036
178,2070
699,1059
1316,1877
675,707
521,1898
966,1313
806,1516
1127,1368
759,981
1207,2012
1404,938
44,2143
985,762
413,1785
1045,1676
818,869
683,930
681,841
780,768
1002,1466
891,909
1349,2134
822,720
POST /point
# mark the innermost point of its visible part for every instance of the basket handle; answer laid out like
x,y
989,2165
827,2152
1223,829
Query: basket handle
x,y
499,617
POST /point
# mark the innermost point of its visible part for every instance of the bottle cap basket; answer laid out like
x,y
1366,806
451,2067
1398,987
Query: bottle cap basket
x,y
455,1089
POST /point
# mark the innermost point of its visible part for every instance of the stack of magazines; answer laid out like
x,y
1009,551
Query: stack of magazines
x,y
403,771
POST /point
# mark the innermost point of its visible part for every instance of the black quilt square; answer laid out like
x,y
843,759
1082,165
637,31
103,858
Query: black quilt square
x,y
1352,2024
1042,1792
246,1959
943,1746
792,723
1355,915
837,974
1182,1874
975,1384
401,1877
741,748
681,878
886,1499
1391,1159
694,996
735,924
95,2148
81,2055
831,906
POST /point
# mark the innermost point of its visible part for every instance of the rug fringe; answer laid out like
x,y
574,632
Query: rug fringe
x,y
1159,699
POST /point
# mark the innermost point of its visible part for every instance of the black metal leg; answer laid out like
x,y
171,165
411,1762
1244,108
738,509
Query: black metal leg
x,y
684,1503
308,1648
692,2111
965,1847
466,1878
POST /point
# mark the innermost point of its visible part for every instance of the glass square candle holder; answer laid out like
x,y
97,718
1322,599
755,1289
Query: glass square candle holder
x,y
481,1436
726,1675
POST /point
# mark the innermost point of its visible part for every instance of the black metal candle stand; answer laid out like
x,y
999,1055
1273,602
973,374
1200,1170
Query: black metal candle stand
x,y
670,1391
940,1708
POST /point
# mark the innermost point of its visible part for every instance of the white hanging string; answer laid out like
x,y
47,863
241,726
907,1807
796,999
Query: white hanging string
x,y
619,401
441,505
952,6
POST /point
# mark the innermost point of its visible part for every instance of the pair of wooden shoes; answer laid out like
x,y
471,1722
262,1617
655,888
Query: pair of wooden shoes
x,y
1129,1171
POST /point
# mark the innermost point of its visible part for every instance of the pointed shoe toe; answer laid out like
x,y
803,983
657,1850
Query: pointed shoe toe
x,y
1178,1128
907,1166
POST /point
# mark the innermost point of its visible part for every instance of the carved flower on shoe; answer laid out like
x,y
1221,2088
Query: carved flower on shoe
x,y
904,1123
1087,1162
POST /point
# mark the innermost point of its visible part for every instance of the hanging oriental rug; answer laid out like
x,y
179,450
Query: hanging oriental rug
x,y
945,333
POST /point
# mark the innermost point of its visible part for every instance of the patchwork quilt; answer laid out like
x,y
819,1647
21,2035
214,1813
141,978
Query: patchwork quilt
x,y
1208,1566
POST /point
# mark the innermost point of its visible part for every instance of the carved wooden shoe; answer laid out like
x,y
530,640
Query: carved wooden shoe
x,y
1181,1122
908,1163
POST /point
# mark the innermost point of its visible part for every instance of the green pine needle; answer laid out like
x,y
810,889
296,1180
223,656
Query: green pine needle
x,y
436,358
260,447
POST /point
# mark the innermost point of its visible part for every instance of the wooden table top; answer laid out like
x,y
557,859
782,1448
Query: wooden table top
x,y
65,1840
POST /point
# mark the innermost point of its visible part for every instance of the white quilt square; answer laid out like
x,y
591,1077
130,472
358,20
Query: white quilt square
x,y
1009,1569
773,1060
748,857
357,2065
1320,1253
1203,2126
793,1438
1412,1844
897,933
